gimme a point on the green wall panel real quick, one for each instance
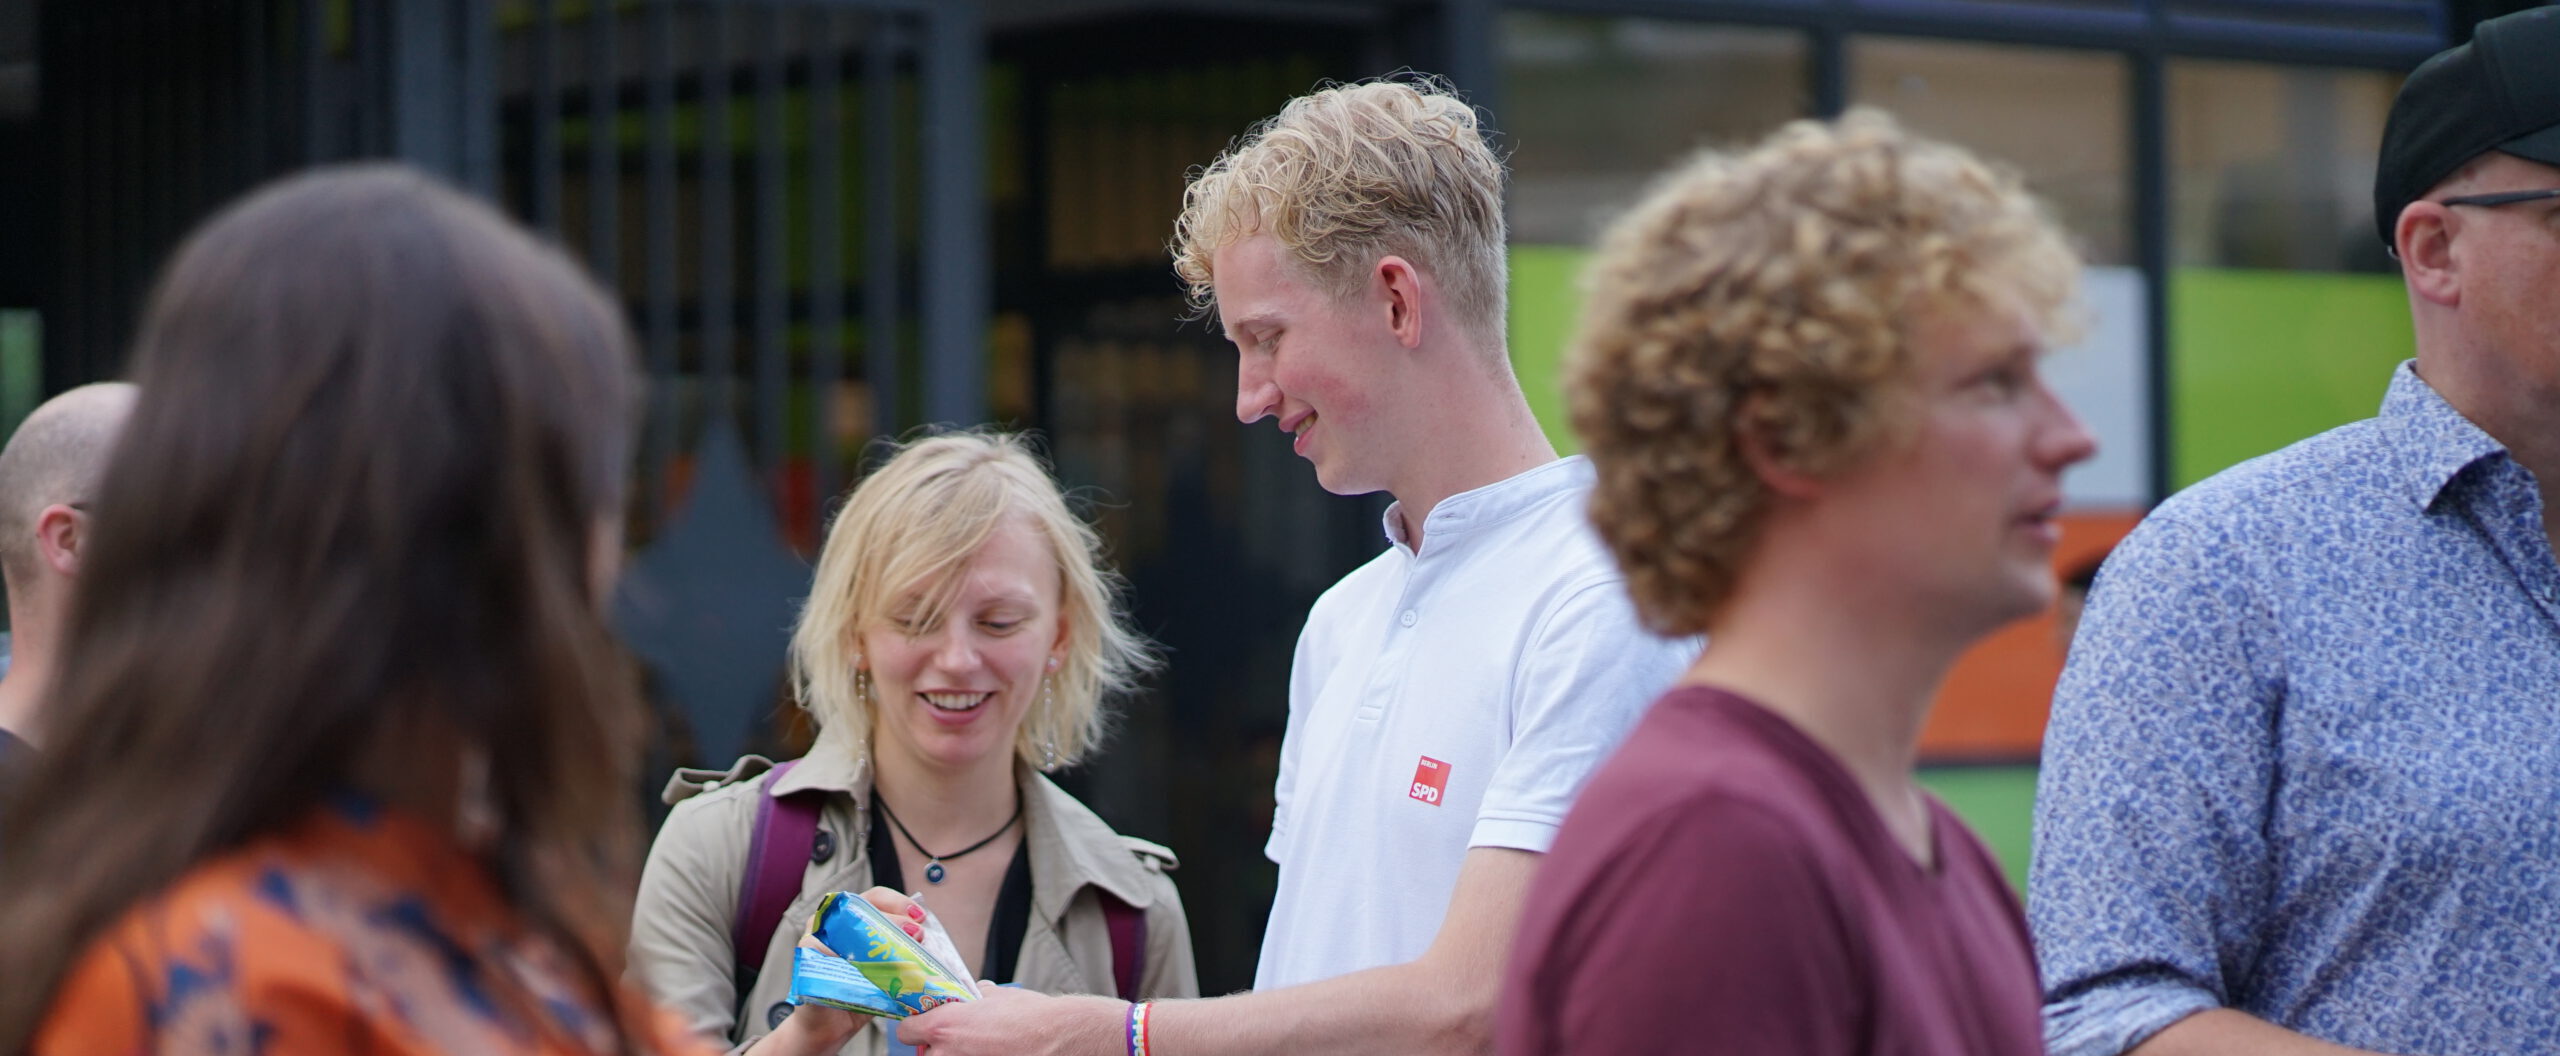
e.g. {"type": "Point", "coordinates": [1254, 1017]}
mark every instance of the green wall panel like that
{"type": "Point", "coordinates": [2260, 359]}
{"type": "Point", "coordinates": [1546, 294]}
{"type": "Point", "coordinates": [1999, 803]}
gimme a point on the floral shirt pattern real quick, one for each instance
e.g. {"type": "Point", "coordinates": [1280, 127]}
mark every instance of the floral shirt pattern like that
{"type": "Point", "coordinates": [2305, 759]}
{"type": "Point", "coordinates": [358, 931]}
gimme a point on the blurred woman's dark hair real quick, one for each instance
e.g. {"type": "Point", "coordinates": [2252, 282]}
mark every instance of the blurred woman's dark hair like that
{"type": "Point", "coordinates": [355, 534]}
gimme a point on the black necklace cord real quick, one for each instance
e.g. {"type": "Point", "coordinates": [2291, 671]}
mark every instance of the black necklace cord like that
{"type": "Point", "coordinates": [929, 855]}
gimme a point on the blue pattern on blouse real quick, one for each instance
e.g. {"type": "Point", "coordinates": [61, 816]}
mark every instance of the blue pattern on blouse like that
{"type": "Point", "coordinates": [2305, 759]}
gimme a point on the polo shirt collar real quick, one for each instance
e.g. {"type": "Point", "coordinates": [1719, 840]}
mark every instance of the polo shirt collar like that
{"type": "Point", "coordinates": [1493, 503]}
{"type": "Point", "coordinates": [2433, 442]}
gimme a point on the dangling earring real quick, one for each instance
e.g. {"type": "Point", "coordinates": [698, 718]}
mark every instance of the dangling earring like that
{"type": "Point", "coordinates": [861, 681]}
{"type": "Point", "coordinates": [1049, 707]}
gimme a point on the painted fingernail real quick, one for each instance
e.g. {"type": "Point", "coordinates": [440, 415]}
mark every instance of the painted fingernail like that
{"type": "Point", "coordinates": [914, 932]}
{"type": "Point", "coordinates": [916, 912]}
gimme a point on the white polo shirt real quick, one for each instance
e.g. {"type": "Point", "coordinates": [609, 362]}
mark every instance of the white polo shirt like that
{"type": "Point", "coordinates": [1444, 700]}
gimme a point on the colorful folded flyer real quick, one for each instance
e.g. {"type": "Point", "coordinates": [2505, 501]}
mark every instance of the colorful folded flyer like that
{"type": "Point", "coordinates": [857, 959]}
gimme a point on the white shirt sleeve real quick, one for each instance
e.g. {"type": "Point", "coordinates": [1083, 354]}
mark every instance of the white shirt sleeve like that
{"type": "Point", "coordinates": [1304, 682]}
{"type": "Point", "coordinates": [1589, 672]}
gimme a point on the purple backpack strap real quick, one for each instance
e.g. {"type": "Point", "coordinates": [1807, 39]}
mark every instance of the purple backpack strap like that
{"type": "Point", "coordinates": [1128, 943]}
{"type": "Point", "coordinates": [777, 852]}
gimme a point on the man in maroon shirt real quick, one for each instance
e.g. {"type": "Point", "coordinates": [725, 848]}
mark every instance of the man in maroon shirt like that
{"type": "Point", "coordinates": [1807, 376]}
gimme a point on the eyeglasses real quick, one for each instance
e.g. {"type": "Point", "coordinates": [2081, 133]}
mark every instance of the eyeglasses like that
{"type": "Point", "coordinates": [2507, 198]}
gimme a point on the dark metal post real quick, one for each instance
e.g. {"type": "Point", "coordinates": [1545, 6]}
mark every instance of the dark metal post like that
{"type": "Point", "coordinates": [604, 148]}
{"type": "Point", "coordinates": [660, 192]}
{"type": "Point", "coordinates": [438, 89]}
{"type": "Point", "coordinates": [69, 114]}
{"type": "Point", "coordinates": [1470, 55]}
{"type": "Point", "coordinates": [880, 223]}
{"type": "Point", "coordinates": [713, 323]}
{"type": "Point", "coordinates": [417, 89]}
{"type": "Point", "coordinates": [169, 89]}
{"type": "Point", "coordinates": [953, 244]}
{"type": "Point", "coordinates": [772, 272]}
{"type": "Point", "coordinates": [140, 201]}
{"type": "Point", "coordinates": [826, 253]}
{"type": "Point", "coordinates": [2151, 248]}
{"type": "Point", "coordinates": [546, 116]}
{"type": "Point", "coordinates": [312, 50]}
{"type": "Point", "coordinates": [472, 36]}
{"type": "Point", "coordinates": [257, 17]}
{"type": "Point", "coordinates": [189, 29]}
{"type": "Point", "coordinates": [1829, 70]}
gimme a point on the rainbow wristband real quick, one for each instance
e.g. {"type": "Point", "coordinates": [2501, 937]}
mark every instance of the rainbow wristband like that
{"type": "Point", "coordinates": [1138, 1029]}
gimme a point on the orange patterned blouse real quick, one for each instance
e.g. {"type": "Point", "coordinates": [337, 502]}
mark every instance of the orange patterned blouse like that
{"type": "Point", "coordinates": [359, 930]}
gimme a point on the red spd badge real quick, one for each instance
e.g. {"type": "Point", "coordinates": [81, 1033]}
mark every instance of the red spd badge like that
{"type": "Point", "coordinates": [1430, 780]}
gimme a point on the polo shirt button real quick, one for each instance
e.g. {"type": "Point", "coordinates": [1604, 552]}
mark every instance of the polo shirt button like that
{"type": "Point", "coordinates": [1407, 619]}
{"type": "Point", "coordinates": [774, 1016]}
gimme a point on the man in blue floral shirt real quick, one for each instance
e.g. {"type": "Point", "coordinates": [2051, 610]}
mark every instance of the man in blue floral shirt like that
{"type": "Point", "coordinates": [2302, 785]}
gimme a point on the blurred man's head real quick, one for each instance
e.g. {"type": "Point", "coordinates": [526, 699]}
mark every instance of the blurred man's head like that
{"type": "Point", "coordinates": [48, 472]}
{"type": "Point", "coordinates": [1362, 224]}
{"type": "Point", "coordinates": [1831, 338]}
{"type": "Point", "coordinates": [2467, 193]}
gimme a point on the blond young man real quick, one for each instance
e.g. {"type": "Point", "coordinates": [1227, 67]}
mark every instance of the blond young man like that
{"type": "Point", "coordinates": [1447, 698]}
{"type": "Point", "coordinates": [1808, 376]}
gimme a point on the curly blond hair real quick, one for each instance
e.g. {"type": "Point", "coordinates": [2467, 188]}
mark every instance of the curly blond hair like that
{"type": "Point", "coordinates": [1771, 293]}
{"type": "Point", "coordinates": [909, 530]}
{"type": "Point", "coordinates": [1353, 173]}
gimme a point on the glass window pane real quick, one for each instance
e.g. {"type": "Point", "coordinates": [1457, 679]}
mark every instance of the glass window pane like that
{"type": "Point", "coordinates": [2272, 167]}
{"type": "Point", "coordinates": [1595, 107]}
{"type": "Point", "coordinates": [2069, 135]}
{"type": "Point", "coordinates": [2286, 314]}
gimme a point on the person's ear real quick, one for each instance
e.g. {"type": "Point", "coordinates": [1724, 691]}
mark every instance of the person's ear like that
{"type": "Point", "coordinates": [62, 535]}
{"type": "Point", "coordinates": [1058, 648]}
{"type": "Point", "coordinates": [1768, 455]}
{"type": "Point", "coordinates": [1400, 287]}
{"type": "Point", "coordinates": [2423, 240]}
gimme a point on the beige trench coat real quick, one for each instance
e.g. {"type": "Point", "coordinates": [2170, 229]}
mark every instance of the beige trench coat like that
{"type": "Point", "coordinates": [680, 946]}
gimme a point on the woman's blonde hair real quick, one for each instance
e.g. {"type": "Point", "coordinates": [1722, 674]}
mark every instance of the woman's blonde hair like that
{"type": "Point", "coordinates": [1346, 175]}
{"type": "Point", "coordinates": [908, 530]}
{"type": "Point", "coordinates": [1770, 293]}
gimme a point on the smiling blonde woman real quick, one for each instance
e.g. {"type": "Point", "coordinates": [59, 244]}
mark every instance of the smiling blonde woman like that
{"type": "Point", "coordinates": [959, 642]}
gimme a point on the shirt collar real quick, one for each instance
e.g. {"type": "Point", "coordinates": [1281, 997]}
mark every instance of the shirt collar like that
{"type": "Point", "coordinates": [1493, 503]}
{"type": "Point", "coordinates": [2433, 442]}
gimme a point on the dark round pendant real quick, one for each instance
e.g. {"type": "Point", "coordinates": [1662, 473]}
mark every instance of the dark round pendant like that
{"type": "Point", "coordinates": [933, 872]}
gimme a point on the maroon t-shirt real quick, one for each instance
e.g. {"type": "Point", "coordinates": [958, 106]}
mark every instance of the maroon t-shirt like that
{"type": "Point", "coordinates": [1722, 886]}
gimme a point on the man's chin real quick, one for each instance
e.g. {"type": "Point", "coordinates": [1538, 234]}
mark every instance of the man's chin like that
{"type": "Point", "coordinates": [1335, 480]}
{"type": "Point", "coordinates": [2035, 592]}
